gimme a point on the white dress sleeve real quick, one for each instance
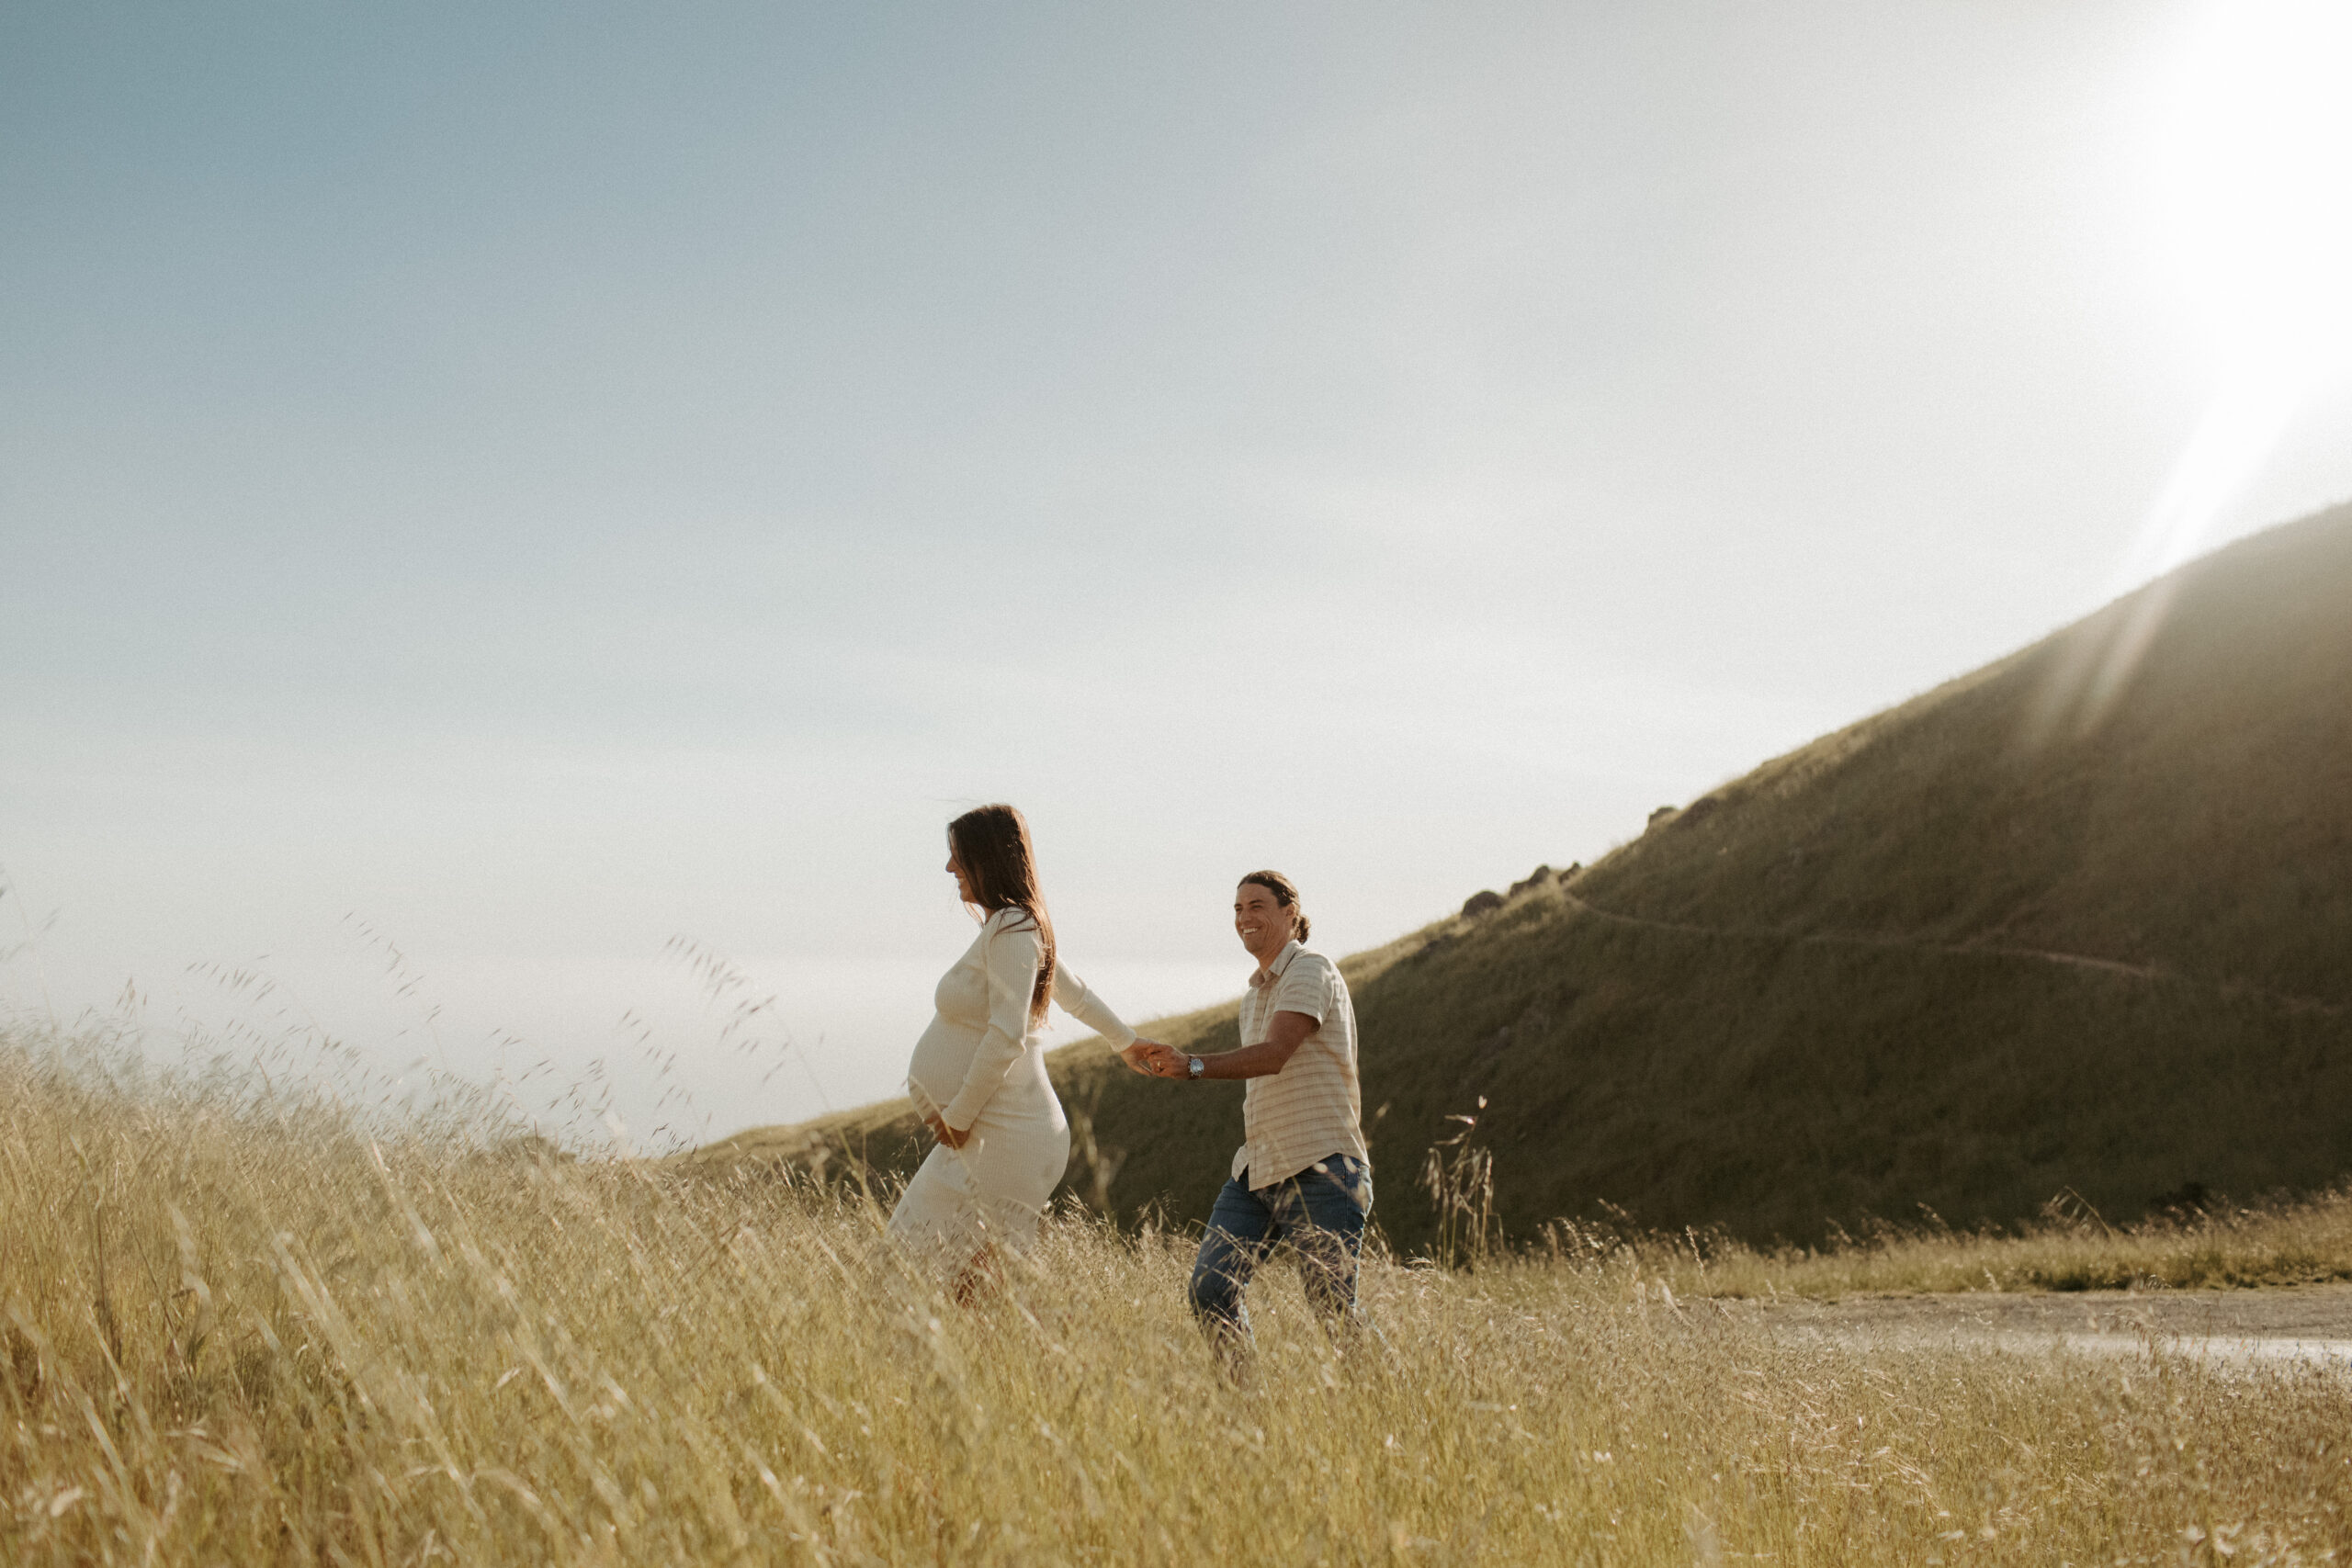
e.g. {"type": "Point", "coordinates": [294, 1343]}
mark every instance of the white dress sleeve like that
{"type": "Point", "coordinates": [1009, 957]}
{"type": "Point", "coordinates": [1071, 996]}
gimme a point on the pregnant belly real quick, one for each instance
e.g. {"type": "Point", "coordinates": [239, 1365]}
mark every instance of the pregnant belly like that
{"type": "Point", "coordinates": [941, 1057]}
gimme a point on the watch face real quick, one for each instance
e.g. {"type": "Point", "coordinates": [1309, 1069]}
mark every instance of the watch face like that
{"type": "Point", "coordinates": [1198, 1067]}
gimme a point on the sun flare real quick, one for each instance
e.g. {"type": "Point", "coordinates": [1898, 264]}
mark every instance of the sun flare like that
{"type": "Point", "coordinates": [2253, 166]}
{"type": "Point", "coordinates": [2254, 160]}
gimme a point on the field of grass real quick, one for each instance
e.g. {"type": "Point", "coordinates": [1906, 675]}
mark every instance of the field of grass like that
{"type": "Point", "coordinates": [249, 1328]}
{"type": "Point", "coordinates": [2292, 1242]}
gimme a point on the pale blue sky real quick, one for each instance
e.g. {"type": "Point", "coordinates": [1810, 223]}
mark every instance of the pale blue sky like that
{"type": "Point", "coordinates": [550, 478]}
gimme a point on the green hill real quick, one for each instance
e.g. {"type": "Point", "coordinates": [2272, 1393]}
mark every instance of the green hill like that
{"type": "Point", "coordinates": [2032, 932]}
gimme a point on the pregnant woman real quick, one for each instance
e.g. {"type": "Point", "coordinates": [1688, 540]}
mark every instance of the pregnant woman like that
{"type": "Point", "coordinates": [979, 1075]}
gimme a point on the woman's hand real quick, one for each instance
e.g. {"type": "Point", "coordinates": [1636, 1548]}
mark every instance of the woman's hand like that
{"type": "Point", "coordinates": [945, 1133]}
{"type": "Point", "coordinates": [1152, 1059]}
{"type": "Point", "coordinates": [1148, 1057]}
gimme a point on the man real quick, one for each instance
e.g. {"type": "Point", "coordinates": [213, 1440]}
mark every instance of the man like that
{"type": "Point", "coordinates": [1302, 1177]}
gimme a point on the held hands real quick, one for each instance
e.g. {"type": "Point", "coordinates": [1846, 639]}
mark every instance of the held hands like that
{"type": "Point", "coordinates": [946, 1134]}
{"type": "Point", "coordinates": [1155, 1060]}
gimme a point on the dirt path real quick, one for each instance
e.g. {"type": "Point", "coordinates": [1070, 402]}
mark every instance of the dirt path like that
{"type": "Point", "coordinates": [2309, 1325]}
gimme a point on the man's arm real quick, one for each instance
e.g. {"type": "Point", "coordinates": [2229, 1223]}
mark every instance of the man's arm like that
{"type": "Point", "coordinates": [1264, 1059]}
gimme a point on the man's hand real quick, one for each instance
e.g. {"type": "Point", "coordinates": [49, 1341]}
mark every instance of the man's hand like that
{"type": "Point", "coordinates": [1153, 1059]}
{"type": "Point", "coordinates": [946, 1134]}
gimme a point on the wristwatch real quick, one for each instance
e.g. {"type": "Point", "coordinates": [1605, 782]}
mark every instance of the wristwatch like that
{"type": "Point", "coordinates": [1197, 1069]}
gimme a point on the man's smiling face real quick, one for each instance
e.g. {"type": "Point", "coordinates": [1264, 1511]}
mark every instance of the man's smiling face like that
{"type": "Point", "coordinates": [1262, 921]}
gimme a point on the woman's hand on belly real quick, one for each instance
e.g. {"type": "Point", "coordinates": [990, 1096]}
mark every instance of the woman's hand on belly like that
{"type": "Point", "coordinates": [945, 1133]}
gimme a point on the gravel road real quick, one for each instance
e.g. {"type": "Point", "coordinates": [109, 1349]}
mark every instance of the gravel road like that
{"type": "Point", "coordinates": [2310, 1324]}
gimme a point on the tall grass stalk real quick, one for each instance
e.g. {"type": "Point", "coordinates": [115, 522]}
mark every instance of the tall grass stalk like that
{"type": "Point", "coordinates": [1458, 1175]}
{"type": "Point", "coordinates": [244, 1327]}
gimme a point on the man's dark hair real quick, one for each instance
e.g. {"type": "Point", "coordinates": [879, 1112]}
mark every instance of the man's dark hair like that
{"type": "Point", "coordinates": [1285, 893]}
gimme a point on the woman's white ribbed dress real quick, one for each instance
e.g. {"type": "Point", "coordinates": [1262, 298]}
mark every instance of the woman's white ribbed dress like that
{"type": "Point", "coordinates": [980, 1066]}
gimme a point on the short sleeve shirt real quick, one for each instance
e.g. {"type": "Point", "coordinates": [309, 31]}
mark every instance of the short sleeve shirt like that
{"type": "Point", "coordinates": [1313, 1108]}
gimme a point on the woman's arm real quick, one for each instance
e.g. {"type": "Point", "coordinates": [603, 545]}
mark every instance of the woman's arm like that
{"type": "Point", "coordinates": [1072, 997]}
{"type": "Point", "coordinates": [1009, 955]}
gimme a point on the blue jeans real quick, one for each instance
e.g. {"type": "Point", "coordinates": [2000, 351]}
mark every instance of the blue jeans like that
{"type": "Point", "coordinates": [1318, 1214]}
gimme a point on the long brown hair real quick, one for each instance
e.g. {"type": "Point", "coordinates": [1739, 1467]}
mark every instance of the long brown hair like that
{"type": "Point", "coordinates": [991, 843]}
{"type": "Point", "coordinates": [1285, 893]}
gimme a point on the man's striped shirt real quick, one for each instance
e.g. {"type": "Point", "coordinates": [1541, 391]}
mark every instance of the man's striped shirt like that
{"type": "Point", "coordinates": [1313, 1108]}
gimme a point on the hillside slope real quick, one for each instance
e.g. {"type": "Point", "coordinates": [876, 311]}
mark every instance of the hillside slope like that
{"type": "Point", "coordinates": [2203, 824]}
{"type": "Point", "coordinates": [1995, 943]}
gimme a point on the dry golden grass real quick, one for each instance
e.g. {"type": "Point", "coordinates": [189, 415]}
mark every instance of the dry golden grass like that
{"type": "Point", "coordinates": [2288, 1241]}
{"type": "Point", "coordinates": [255, 1329]}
